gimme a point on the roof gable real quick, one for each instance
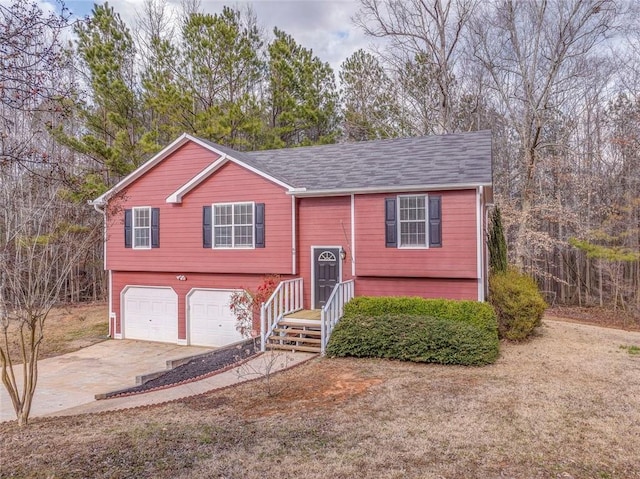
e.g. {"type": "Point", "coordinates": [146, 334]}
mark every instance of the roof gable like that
{"type": "Point", "coordinates": [223, 155]}
{"type": "Point", "coordinates": [459, 160]}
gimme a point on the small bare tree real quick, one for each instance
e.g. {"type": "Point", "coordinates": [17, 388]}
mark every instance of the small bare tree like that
{"type": "Point", "coordinates": [40, 246]}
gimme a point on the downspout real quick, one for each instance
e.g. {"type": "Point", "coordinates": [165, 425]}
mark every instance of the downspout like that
{"type": "Point", "coordinates": [353, 236]}
{"type": "Point", "coordinates": [293, 235]}
{"type": "Point", "coordinates": [480, 245]}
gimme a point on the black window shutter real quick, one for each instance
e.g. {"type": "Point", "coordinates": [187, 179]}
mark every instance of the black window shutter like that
{"type": "Point", "coordinates": [128, 230]}
{"type": "Point", "coordinates": [259, 240]}
{"type": "Point", "coordinates": [155, 227]}
{"type": "Point", "coordinates": [391, 234]}
{"type": "Point", "coordinates": [435, 222]}
{"type": "Point", "coordinates": [206, 227]}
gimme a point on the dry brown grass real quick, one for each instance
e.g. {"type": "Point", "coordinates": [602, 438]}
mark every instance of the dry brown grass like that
{"type": "Point", "coordinates": [565, 405]}
{"type": "Point", "coordinates": [69, 328]}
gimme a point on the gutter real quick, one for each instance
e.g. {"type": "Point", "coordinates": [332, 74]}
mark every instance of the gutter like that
{"type": "Point", "coordinates": [384, 189]}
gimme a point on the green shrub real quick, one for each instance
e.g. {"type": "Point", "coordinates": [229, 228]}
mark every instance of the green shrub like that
{"type": "Point", "coordinates": [518, 304]}
{"type": "Point", "coordinates": [417, 329]}
{"type": "Point", "coordinates": [413, 338]}
{"type": "Point", "coordinates": [480, 315]}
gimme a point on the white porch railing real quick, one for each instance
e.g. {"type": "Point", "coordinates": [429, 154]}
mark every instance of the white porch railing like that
{"type": "Point", "coordinates": [286, 299]}
{"type": "Point", "coordinates": [334, 309]}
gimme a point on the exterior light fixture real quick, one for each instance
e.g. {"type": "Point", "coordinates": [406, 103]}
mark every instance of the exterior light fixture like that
{"type": "Point", "coordinates": [181, 277]}
{"type": "Point", "coordinates": [343, 254]}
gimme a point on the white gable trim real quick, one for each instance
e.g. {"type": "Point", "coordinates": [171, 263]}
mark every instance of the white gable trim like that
{"type": "Point", "coordinates": [176, 196]}
{"type": "Point", "coordinates": [263, 174]}
{"type": "Point", "coordinates": [142, 169]}
{"type": "Point", "coordinates": [160, 156]}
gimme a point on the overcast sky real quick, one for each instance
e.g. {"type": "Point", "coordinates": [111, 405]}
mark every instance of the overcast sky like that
{"type": "Point", "coordinates": [325, 26]}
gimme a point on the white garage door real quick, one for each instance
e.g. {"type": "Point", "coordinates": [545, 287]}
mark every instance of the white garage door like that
{"type": "Point", "coordinates": [211, 322]}
{"type": "Point", "coordinates": [151, 314]}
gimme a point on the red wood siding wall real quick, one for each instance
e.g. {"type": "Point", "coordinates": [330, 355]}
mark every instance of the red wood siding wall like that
{"type": "Point", "coordinates": [193, 280]}
{"type": "Point", "coordinates": [181, 248]}
{"type": "Point", "coordinates": [423, 287]}
{"type": "Point", "coordinates": [457, 258]}
{"type": "Point", "coordinates": [322, 221]}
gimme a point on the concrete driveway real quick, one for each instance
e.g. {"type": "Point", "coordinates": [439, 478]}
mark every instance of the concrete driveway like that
{"type": "Point", "coordinates": [74, 379]}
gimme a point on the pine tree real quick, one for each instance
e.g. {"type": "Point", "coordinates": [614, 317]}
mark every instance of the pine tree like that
{"type": "Point", "coordinates": [303, 96]}
{"type": "Point", "coordinates": [223, 72]}
{"type": "Point", "coordinates": [111, 115]}
{"type": "Point", "coordinates": [368, 99]}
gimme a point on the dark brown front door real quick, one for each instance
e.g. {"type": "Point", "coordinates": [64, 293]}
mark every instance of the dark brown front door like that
{"type": "Point", "coordinates": [326, 264]}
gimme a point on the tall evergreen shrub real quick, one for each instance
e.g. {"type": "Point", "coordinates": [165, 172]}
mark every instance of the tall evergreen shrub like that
{"type": "Point", "coordinates": [497, 243]}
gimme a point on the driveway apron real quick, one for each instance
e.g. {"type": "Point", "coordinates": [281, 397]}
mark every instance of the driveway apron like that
{"type": "Point", "coordinates": [75, 378]}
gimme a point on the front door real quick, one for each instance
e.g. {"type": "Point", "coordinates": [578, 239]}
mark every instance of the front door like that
{"type": "Point", "coordinates": [326, 266]}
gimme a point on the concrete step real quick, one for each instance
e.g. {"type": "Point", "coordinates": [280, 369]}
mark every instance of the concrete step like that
{"type": "Point", "coordinates": [293, 347]}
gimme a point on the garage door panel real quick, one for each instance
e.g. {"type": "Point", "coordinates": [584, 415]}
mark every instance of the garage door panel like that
{"type": "Point", "coordinates": [211, 322]}
{"type": "Point", "coordinates": [151, 314]}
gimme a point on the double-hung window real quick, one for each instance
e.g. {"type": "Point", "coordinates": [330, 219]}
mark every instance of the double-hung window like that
{"type": "Point", "coordinates": [413, 221]}
{"type": "Point", "coordinates": [142, 228]}
{"type": "Point", "coordinates": [233, 225]}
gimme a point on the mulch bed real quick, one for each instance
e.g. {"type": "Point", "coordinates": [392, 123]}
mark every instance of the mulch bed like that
{"type": "Point", "coordinates": [199, 366]}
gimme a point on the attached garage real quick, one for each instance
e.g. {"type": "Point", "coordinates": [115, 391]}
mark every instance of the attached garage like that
{"type": "Point", "coordinates": [210, 320]}
{"type": "Point", "coordinates": [150, 314]}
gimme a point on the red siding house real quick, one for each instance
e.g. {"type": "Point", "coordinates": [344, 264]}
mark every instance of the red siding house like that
{"type": "Point", "coordinates": [199, 221]}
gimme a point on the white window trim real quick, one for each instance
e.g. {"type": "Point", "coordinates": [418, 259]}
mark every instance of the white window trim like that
{"type": "Point", "coordinates": [233, 237]}
{"type": "Point", "coordinates": [133, 227]}
{"type": "Point", "coordinates": [426, 222]}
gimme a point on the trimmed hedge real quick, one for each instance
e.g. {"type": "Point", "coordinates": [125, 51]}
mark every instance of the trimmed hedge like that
{"type": "Point", "coordinates": [480, 315]}
{"type": "Point", "coordinates": [416, 329]}
{"type": "Point", "coordinates": [517, 302]}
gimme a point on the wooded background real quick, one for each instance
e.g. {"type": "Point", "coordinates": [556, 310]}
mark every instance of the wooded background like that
{"type": "Point", "coordinates": [556, 81]}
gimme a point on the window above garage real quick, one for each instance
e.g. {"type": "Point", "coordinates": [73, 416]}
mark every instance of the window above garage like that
{"type": "Point", "coordinates": [233, 225]}
{"type": "Point", "coordinates": [142, 228]}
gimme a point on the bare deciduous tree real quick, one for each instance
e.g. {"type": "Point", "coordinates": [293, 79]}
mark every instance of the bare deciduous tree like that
{"type": "Point", "coordinates": [538, 56]}
{"type": "Point", "coordinates": [430, 33]}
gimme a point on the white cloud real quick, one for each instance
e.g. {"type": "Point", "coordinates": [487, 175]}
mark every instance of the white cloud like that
{"type": "Point", "coordinates": [324, 26]}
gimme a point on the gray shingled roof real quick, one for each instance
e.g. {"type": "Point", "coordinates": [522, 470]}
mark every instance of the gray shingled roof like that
{"type": "Point", "coordinates": [454, 159]}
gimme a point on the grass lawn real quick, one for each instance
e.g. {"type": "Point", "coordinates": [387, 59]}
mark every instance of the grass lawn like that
{"type": "Point", "coordinates": [69, 328]}
{"type": "Point", "coordinates": [564, 405]}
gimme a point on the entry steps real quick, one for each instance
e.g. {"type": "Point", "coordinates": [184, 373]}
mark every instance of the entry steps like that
{"type": "Point", "coordinates": [299, 331]}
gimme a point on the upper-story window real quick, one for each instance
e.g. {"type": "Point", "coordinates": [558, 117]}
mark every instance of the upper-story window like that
{"type": "Point", "coordinates": [233, 225]}
{"type": "Point", "coordinates": [142, 228]}
{"type": "Point", "coordinates": [413, 221]}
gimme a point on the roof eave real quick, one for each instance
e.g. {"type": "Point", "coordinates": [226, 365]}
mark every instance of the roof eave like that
{"type": "Point", "coordinates": [385, 189]}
